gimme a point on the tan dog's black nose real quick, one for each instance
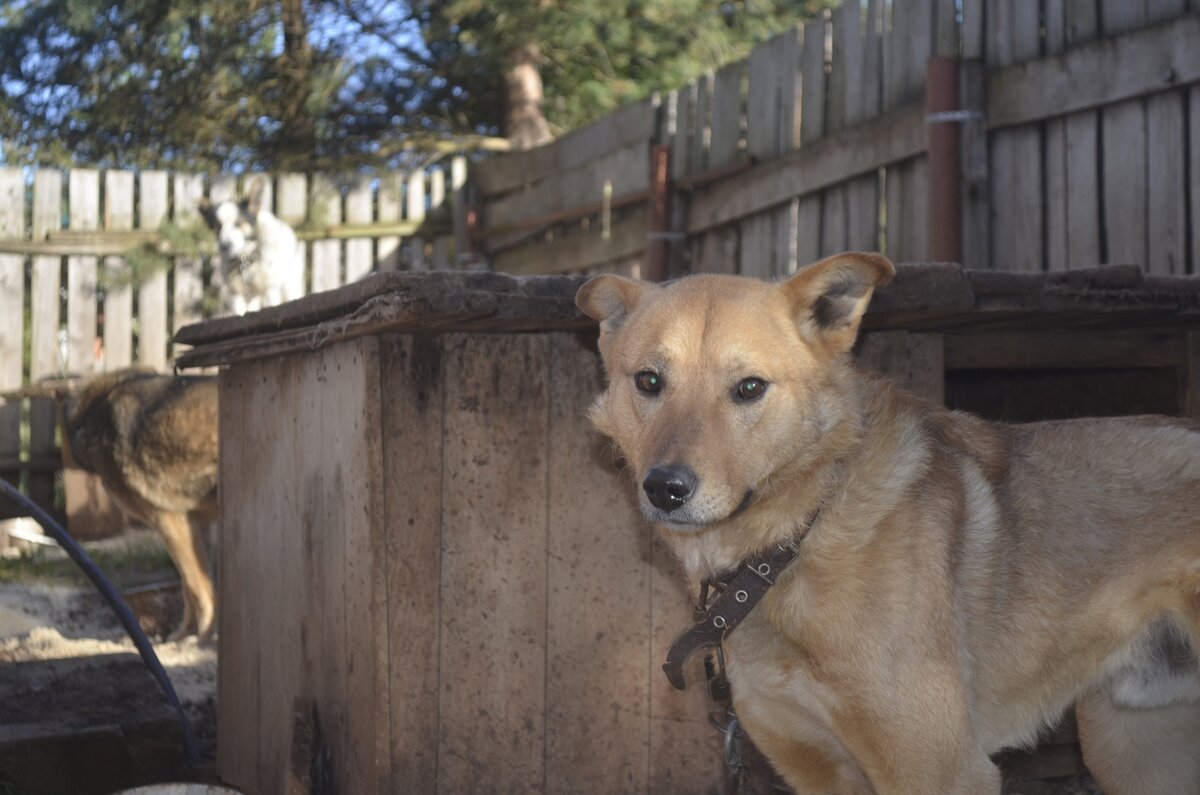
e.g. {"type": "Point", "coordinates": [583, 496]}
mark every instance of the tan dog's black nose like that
{"type": "Point", "coordinates": [669, 487]}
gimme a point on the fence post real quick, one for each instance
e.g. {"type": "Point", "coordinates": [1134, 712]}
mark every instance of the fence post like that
{"type": "Point", "coordinates": [941, 129]}
{"type": "Point", "coordinates": [973, 144]}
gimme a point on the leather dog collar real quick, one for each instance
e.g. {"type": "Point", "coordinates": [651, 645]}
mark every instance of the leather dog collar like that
{"type": "Point", "coordinates": [740, 594]}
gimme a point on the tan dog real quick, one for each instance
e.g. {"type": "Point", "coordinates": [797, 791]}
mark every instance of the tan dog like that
{"type": "Point", "coordinates": [152, 439]}
{"type": "Point", "coordinates": [964, 582]}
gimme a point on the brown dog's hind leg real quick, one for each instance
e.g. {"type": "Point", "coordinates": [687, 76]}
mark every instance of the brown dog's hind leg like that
{"type": "Point", "coordinates": [187, 552]}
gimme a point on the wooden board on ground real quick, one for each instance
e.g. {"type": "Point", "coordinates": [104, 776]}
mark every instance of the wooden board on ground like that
{"type": "Point", "coordinates": [12, 325]}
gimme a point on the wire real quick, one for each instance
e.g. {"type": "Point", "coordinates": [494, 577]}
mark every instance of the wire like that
{"type": "Point", "coordinates": [124, 614]}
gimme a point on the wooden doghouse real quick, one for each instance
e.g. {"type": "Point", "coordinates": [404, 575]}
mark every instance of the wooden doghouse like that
{"type": "Point", "coordinates": [433, 577]}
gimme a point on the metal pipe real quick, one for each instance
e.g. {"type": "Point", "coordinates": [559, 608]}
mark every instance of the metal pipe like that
{"type": "Point", "coordinates": [659, 213]}
{"type": "Point", "coordinates": [942, 135]}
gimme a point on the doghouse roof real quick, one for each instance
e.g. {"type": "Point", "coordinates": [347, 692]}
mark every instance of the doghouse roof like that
{"type": "Point", "coordinates": [923, 296]}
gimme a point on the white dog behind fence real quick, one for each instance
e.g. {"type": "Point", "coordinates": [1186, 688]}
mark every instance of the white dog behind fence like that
{"type": "Point", "coordinates": [259, 264]}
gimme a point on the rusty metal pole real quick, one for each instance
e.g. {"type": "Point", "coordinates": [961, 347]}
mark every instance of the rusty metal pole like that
{"type": "Point", "coordinates": [658, 208]}
{"type": "Point", "coordinates": [943, 117]}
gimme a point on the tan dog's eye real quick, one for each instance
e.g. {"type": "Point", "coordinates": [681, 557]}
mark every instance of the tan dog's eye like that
{"type": "Point", "coordinates": [648, 382]}
{"type": "Point", "coordinates": [750, 389]}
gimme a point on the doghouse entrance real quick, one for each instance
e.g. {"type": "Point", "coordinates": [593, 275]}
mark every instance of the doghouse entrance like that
{"type": "Point", "coordinates": [1033, 395]}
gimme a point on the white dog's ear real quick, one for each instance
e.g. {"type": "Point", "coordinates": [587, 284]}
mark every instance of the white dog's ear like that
{"type": "Point", "coordinates": [610, 299]}
{"type": "Point", "coordinates": [254, 195]}
{"type": "Point", "coordinates": [829, 297]}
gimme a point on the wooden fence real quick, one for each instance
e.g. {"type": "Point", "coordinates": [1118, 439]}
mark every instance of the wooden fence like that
{"type": "Point", "coordinates": [61, 232]}
{"type": "Point", "coordinates": [1074, 140]}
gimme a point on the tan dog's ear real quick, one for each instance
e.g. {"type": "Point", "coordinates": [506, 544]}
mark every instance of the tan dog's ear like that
{"type": "Point", "coordinates": [610, 299]}
{"type": "Point", "coordinates": [829, 297]}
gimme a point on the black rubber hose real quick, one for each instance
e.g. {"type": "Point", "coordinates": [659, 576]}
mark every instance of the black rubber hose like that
{"type": "Point", "coordinates": [124, 614]}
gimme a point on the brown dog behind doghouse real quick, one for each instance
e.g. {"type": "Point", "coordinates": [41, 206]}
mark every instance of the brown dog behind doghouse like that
{"type": "Point", "coordinates": [152, 439]}
{"type": "Point", "coordinates": [963, 583]}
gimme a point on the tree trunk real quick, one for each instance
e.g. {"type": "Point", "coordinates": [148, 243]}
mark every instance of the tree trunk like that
{"type": "Point", "coordinates": [524, 125]}
{"type": "Point", "coordinates": [297, 138]}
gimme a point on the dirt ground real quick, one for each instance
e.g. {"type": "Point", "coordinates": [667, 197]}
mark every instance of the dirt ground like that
{"type": "Point", "coordinates": [69, 665]}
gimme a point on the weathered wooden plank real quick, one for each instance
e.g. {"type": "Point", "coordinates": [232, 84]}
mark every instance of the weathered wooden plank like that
{"type": "Point", "coordinates": [813, 88]}
{"type": "Point", "coordinates": [685, 752]}
{"type": "Point", "coordinates": [391, 189]}
{"type": "Point", "coordinates": [798, 224]}
{"type": "Point", "coordinates": [326, 254]}
{"type": "Point", "coordinates": [598, 618]}
{"type": "Point", "coordinates": [725, 142]}
{"type": "Point", "coordinates": [1124, 182]}
{"type": "Point", "coordinates": [412, 484]}
{"type": "Point", "coordinates": [834, 232]}
{"type": "Point", "coordinates": [1025, 30]}
{"type": "Point", "coordinates": [494, 564]}
{"type": "Point", "coordinates": [1083, 21]}
{"type": "Point", "coordinates": [287, 523]}
{"type": "Point", "coordinates": [895, 24]}
{"type": "Point", "coordinates": [1098, 74]}
{"type": "Point", "coordinates": [1166, 171]}
{"type": "Point", "coordinates": [83, 214]}
{"type": "Point", "coordinates": [576, 252]}
{"type": "Point", "coordinates": [859, 43]}
{"type": "Point", "coordinates": [152, 293]}
{"type": "Point", "coordinates": [359, 257]}
{"type": "Point", "coordinates": [1161, 10]}
{"type": "Point", "coordinates": [118, 301]}
{"type": "Point", "coordinates": [764, 112]}
{"type": "Point", "coordinates": [189, 285]}
{"type": "Point", "coordinates": [1055, 151]}
{"type": "Point", "coordinates": [895, 228]}
{"type": "Point", "coordinates": [632, 124]}
{"type": "Point", "coordinates": [350, 380]}
{"type": "Point", "coordinates": [862, 214]}
{"type": "Point", "coordinates": [291, 206]}
{"type": "Point", "coordinates": [971, 29]}
{"type": "Point", "coordinates": [1082, 190]}
{"type": "Point", "coordinates": [717, 251]}
{"type": "Point", "coordinates": [1194, 175]}
{"type": "Point", "coordinates": [916, 208]}
{"type": "Point", "coordinates": [945, 31]}
{"type": "Point", "coordinates": [1117, 16]}
{"type": "Point", "coordinates": [12, 323]}
{"type": "Point", "coordinates": [702, 133]}
{"type": "Point", "coordinates": [858, 150]}
{"type": "Point", "coordinates": [915, 361]}
{"type": "Point", "coordinates": [846, 89]}
{"type": "Point", "coordinates": [222, 187]}
{"type": "Point", "coordinates": [1054, 31]}
{"type": "Point", "coordinates": [1057, 195]}
{"type": "Point", "coordinates": [414, 194]}
{"type": "Point", "coordinates": [919, 44]}
{"type": "Point", "coordinates": [626, 169]}
{"type": "Point", "coordinates": [45, 359]}
{"type": "Point", "coordinates": [437, 203]}
{"type": "Point", "coordinates": [239, 617]}
{"type": "Point", "coordinates": [1016, 212]}
{"type": "Point", "coordinates": [458, 210]}
{"type": "Point", "coordinates": [872, 54]}
{"type": "Point", "coordinates": [1016, 159]}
